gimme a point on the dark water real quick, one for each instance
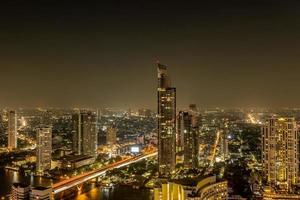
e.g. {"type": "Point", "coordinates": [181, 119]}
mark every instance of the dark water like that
{"type": "Point", "coordinates": [8, 177]}
{"type": "Point", "coordinates": [116, 193]}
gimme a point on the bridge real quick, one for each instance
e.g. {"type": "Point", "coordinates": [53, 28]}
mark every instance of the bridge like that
{"type": "Point", "coordinates": [80, 179]}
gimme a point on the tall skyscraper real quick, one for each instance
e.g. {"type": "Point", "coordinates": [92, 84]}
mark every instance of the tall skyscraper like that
{"type": "Point", "coordinates": [12, 130]}
{"type": "Point", "coordinates": [44, 149]}
{"type": "Point", "coordinates": [166, 126]}
{"type": "Point", "coordinates": [111, 135]}
{"type": "Point", "coordinates": [85, 133]}
{"type": "Point", "coordinates": [224, 145]}
{"type": "Point", "coordinates": [279, 153]}
{"type": "Point", "coordinates": [187, 141]}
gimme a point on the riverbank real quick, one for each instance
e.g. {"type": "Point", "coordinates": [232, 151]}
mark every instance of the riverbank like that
{"type": "Point", "coordinates": [117, 192]}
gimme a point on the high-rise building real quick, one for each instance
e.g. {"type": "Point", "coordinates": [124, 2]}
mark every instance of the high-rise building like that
{"type": "Point", "coordinates": [187, 140]}
{"type": "Point", "coordinates": [111, 136]}
{"type": "Point", "coordinates": [166, 126]}
{"type": "Point", "coordinates": [280, 153]}
{"type": "Point", "coordinates": [12, 130]}
{"type": "Point", "coordinates": [44, 149]}
{"type": "Point", "coordinates": [85, 133]}
{"type": "Point", "coordinates": [224, 145]}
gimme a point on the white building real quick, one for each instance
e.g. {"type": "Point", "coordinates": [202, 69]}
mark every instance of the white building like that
{"type": "Point", "coordinates": [41, 193]}
{"type": "Point", "coordinates": [44, 149]}
{"type": "Point", "coordinates": [20, 191]}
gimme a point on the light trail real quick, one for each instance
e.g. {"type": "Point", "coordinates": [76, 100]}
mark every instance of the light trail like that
{"type": "Point", "coordinates": [215, 148]}
{"type": "Point", "coordinates": [67, 184]}
{"type": "Point", "coordinates": [251, 118]}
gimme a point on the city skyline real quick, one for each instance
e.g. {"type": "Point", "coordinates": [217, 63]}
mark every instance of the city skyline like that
{"type": "Point", "coordinates": [150, 100]}
{"type": "Point", "coordinates": [187, 150]}
{"type": "Point", "coordinates": [229, 54]}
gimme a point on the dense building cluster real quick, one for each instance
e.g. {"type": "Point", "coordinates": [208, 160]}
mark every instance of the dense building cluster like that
{"type": "Point", "coordinates": [183, 139]}
{"type": "Point", "coordinates": [202, 154]}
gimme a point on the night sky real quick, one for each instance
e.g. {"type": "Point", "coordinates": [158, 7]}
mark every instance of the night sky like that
{"type": "Point", "coordinates": [79, 54]}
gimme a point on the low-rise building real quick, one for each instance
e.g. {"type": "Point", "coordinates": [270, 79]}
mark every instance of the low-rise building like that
{"type": "Point", "coordinates": [210, 189]}
{"type": "Point", "coordinates": [76, 161]}
{"type": "Point", "coordinates": [207, 189]}
{"type": "Point", "coordinates": [270, 194]}
{"type": "Point", "coordinates": [41, 193]}
{"type": "Point", "coordinates": [169, 191]}
{"type": "Point", "coordinates": [20, 191]}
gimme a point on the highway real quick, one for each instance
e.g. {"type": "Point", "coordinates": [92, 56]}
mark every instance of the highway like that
{"type": "Point", "coordinates": [213, 155]}
{"type": "Point", "coordinates": [253, 120]}
{"type": "Point", "coordinates": [79, 179]}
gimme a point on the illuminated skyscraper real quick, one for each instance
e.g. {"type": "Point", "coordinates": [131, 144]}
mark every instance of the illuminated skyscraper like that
{"type": "Point", "coordinates": [12, 130]}
{"type": "Point", "coordinates": [166, 110]}
{"type": "Point", "coordinates": [279, 153]}
{"type": "Point", "coordinates": [224, 145]}
{"type": "Point", "coordinates": [111, 136]}
{"type": "Point", "coordinates": [85, 133]}
{"type": "Point", "coordinates": [187, 141]}
{"type": "Point", "coordinates": [43, 149]}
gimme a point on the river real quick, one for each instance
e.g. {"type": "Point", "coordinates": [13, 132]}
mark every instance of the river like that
{"type": "Point", "coordinates": [8, 177]}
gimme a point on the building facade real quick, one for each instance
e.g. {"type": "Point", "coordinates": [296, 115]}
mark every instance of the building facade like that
{"type": "Point", "coordinates": [71, 162]}
{"type": "Point", "coordinates": [280, 153]}
{"type": "Point", "coordinates": [85, 133]}
{"type": "Point", "coordinates": [43, 149]}
{"type": "Point", "coordinates": [224, 145]}
{"type": "Point", "coordinates": [41, 193]}
{"type": "Point", "coordinates": [20, 191]}
{"type": "Point", "coordinates": [211, 189]}
{"type": "Point", "coordinates": [169, 191]}
{"type": "Point", "coordinates": [111, 136]}
{"type": "Point", "coordinates": [166, 126]}
{"type": "Point", "coordinates": [270, 194]}
{"type": "Point", "coordinates": [207, 189]}
{"type": "Point", "coordinates": [187, 140]}
{"type": "Point", "coordinates": [12, 130]}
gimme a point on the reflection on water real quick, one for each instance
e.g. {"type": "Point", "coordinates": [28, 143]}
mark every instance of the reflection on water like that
{"type": "Point", "coordinates": [92, 194]}
{"type": "Point", "coordinates": [115, 193]}
{"type": "Point", "coordinates": [15, 177]}
{"type": "Point", "coordinates": [8, 177]}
